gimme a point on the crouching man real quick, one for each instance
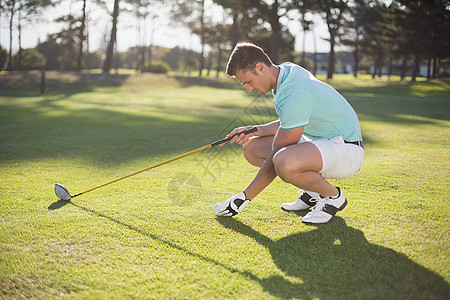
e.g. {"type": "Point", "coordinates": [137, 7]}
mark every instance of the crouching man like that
{"type": "Point", "coordinates": [317, 136]}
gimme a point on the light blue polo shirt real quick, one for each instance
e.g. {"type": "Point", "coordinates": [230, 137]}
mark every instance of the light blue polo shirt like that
{"type": "Point", "coordinates": [303, 100]}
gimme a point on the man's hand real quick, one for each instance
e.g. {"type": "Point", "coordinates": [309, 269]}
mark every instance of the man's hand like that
{"type": "Point", "coordinates": [239, 136]}
{"type": "Point", "coordinates": [232, 206]}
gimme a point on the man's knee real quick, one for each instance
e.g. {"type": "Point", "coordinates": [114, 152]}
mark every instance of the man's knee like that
{"type": "Point", "coordinates": [291, 162]}
{"type": "Point", "coordinates": [250, 154]}
{"type": "Point", "coordinates": [257, 150]}
{"type": "Point", "coordinates": [284, 167]}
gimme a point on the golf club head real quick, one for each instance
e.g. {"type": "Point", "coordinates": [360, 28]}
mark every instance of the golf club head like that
{"type": "Point", "coordinates": [62, 192]}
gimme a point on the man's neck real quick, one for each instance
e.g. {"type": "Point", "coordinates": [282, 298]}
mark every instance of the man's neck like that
{"type": "Point", "coordinates": [275, 71]}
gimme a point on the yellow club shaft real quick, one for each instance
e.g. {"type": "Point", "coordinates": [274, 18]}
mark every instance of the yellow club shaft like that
{"type": "Point", "coordinates": [148, 168]}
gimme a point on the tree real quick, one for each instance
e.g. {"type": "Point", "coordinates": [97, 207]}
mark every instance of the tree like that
{"type": "Point", "coordinates": [27, 8]}
{"type": "Point", "coordinates": [181, 59]}
{"type": "Point", "coordinates": [251, 17]}
{"type": "Point", "coordinates": [425, 26]}
{"type": "Point", "coordinates": [63, 49]}
{"type": "Point", "coordinates": [361, 31]}
{"type": "Point", "coordinates": [68, 39]}
{"type": "Point", "coordinates": [52, 50]}
{"type": "Point", "coordinates": [202, 36]}
{"type": "Point", "coordinates": [10, 6]}
{"type": "Point", "coordinates": [110, 50]}
{"type": "Point", "coordinates": [241, 12]}
{"type": "Point", "coordinates": [333, 12]}
{"type": "Point", "coordinates": [192, 15]}
{"type": "Point", "coordinates": [273, 11]}
{"type": "Point", "coordinates": [304, 7]}
{"type": "Point", "coordinates": [386, 37]}
{"type": "Point", "coordinates": [93, 60]}
{"type": "Point", "coordinates": [142, 10]}
{"type": "Point", "coordinates": [81, 37]}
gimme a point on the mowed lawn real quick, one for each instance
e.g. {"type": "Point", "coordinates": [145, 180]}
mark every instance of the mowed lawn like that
{"type": "Point", "coordinates": [154, 235]}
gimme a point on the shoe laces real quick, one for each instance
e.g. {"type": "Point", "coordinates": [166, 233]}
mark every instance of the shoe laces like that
{"type": "Point", "coordinates": [320, 203]}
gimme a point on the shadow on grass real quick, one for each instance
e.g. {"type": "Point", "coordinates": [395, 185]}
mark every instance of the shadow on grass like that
{"type": "Point", "coordinates": [425, 89]}
{"type": "Point", "coordinates": [101, 136]}
{"type": "Point", "coordinates": [400, 110]}
{"type": "Point", "coordinates": [58, 204]}
{"type": "Point", "coordinates": [336, 261]}
{"type": "Point", "coordinates": [28, 84]}
{"type": "Point", "coordinates": [395, 102]}
{"type": "Point", "coordinates": [161, 240]}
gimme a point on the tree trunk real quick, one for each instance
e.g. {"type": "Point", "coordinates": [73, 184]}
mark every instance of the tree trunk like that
{"type": "Point", "coordinates": [138, 43]}
{"type": "Point", "coordinates": [356, 59]}
{"type": "Point", "coordinates": [219, 51]}
{"type": "Point", "coordinates": [415, 68]}
{"type": "Point", "coordinates": [380, 64]}
{"type": "Point", "coordinates": [403, 72]}
{"type": "Point", "coordinates": [331, 55]}
{"type": "Point", "coordinates": [429, 68]}
{"type": "Point", "coordinates": [275, 44]}
{"type": "Point", "coordinates": [219, 59]}
{"type": "Point", "coordinates": [110, 51]}
{"type": "Point", "coordinates": [389, 68]}
{"type": "Point", "coordinates": [315, 53]}
{"type": "Point", "coordinates": [13, 4]}
{"type": "Point", "coordinates": [302, 61]}
{"type": "Point", "coordinates": [19, 28]}
{"type": "Point", "coordinates": [209, 64]}
{"type": "Point", "coordinates": [80, 46]}
{"type": "Point", "coordinates": [202, 24]}
{"type": "Point", "coordinates": [434, 67]}
{"type": "Point", "coordinates": [234, 30]}
{"type": "Point", "coordinates": [274, 21]}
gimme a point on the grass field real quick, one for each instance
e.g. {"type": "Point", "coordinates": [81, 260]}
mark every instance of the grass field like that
{"type": "Point", "coordinates": [155, 236]}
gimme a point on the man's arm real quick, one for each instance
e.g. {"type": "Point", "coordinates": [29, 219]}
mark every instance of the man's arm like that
{"type": "Point", "coordinates": [267, 173]}
{"type": "Point", "coordinates": [268, 129]}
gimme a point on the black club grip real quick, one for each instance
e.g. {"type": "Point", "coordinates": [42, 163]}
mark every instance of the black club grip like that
{"type": "Point", "coordinates": [253, 129]}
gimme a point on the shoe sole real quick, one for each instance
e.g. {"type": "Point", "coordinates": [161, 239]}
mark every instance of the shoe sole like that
{"type": "Point", "coordinates": [339, 209]}
{"type": "Point", "coordinates": [295, 210]}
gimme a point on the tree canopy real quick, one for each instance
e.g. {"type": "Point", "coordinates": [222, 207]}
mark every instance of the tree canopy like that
{"type": "Point", "coordinates": [375, 32]}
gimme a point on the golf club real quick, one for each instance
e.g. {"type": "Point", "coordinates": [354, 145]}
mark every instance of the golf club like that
{"type": "Point", "coordinates": [64, 194]}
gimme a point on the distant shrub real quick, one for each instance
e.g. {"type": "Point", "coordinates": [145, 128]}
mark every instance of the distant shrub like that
{"type": "Point", "coordinates": [188, 64]}
{"type": "Point", "coordinates": [31, 59]}
{"type": "Point", "coordinates": [3, 57]}
{"type": "Point", "coordinates": [93, 60]}
{"type": "Point", "coordinates": [157, 66]}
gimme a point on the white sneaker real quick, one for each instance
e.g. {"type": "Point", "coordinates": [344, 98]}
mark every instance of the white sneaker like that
{"type": "Point", "coordinates": [304, 202]}
{"type": "Point", "coordinates": [325, 209]}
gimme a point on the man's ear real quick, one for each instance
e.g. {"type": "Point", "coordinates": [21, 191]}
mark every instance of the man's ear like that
{"type": "Point", "coordinates": [260, 67]}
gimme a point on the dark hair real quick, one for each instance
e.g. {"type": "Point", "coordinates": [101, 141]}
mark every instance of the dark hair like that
{"type": "Point", "coordinates": [246, 56]}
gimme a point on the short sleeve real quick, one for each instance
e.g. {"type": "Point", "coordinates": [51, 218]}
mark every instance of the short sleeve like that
{"type": "Point", "coordinates": [295, 109]}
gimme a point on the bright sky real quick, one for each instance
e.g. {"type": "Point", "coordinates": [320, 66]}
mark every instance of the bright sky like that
{"type": "Point", "coordinates": [164, 32]}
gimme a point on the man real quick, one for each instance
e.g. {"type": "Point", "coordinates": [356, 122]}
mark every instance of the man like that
{"type": "Point", "coordinates": [317, 136]}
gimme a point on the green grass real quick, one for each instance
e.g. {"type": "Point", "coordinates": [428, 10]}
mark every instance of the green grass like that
{"type": "Point", "coordinates": [154, 235]}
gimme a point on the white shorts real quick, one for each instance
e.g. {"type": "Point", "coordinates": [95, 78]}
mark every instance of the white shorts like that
{"type": "Point", "coordinates": [340, 160]}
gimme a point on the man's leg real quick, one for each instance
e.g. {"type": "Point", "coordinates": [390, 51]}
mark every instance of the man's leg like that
{"type": "Point", "coordinates": [300, 165]}
{"type": "Point", "coordinates": [256, 150]}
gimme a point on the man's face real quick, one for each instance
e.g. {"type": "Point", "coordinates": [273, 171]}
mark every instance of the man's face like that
{"type": "Point", "coordinates": [255, 81]}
